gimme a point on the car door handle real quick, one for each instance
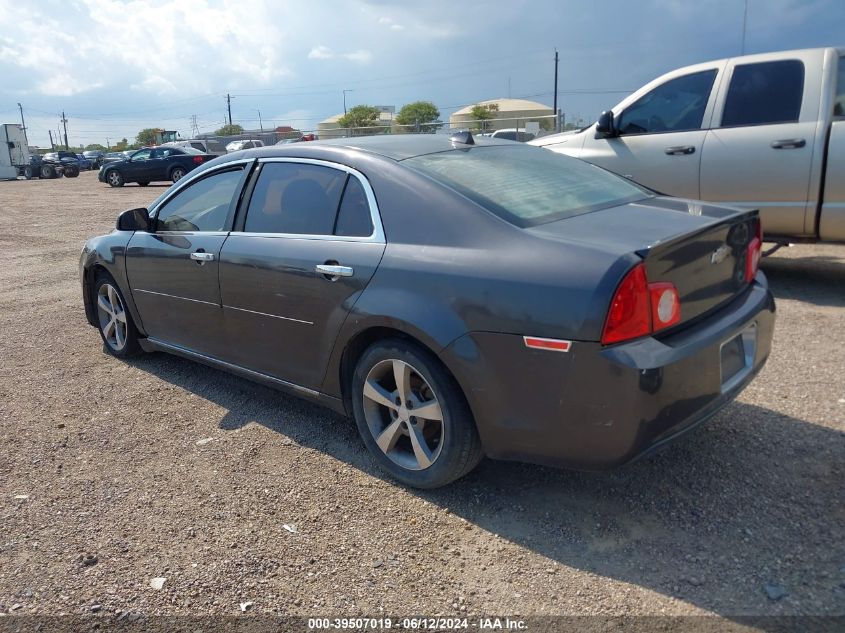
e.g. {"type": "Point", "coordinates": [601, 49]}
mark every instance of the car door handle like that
{"type": "Point", "coordinates": [680, 150]}
{"type": "Point", "coordinates": [202, 257]}
{"type": "Point", "coordinates": [789, 143]}
{"type": "Point", "coordinates": [334, 270]}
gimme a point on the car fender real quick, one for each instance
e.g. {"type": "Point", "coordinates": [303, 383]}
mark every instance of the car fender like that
{"type": "Point", "coordinates": [433, 324]}
{"type": "Point", "coordinates": [109, 253]}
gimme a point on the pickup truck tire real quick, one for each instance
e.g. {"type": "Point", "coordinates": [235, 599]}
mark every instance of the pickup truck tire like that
{"type": "Point", "coordinates": [48, 171]}
{"type": "Point", "coordinates": [177, 173]}
{"type": "Point", "coordinates": [27, 172]}
{"type": "Point", "coordinates": [114, 178]}
{"type": "Point", "coordinates": [71, 171]}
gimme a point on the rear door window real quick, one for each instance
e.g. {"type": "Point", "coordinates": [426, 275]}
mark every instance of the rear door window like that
{"type": "Point", "coordinates": [764, 93]}
{"type": "Point", "coordinates": [675, 106]}
{"type": "Point", "coordinates": [353, 216]}
{"type": "Point", "coordinates": [295, 198]}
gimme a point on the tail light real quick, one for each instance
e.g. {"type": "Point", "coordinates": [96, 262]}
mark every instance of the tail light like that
{"type": "Point", "coordinates": [753, 254]}
{"type": "Point", "coordinates": [640, 308]}
{"type": "Point", "coordinates": [197, 159]}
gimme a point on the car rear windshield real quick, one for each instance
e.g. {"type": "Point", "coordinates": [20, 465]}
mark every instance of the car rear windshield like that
{"type": "Point", "coordinates": [527, 185]}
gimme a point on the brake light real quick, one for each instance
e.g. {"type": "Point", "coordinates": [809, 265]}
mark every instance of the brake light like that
{"type": "Point", "coordinates": [197, 159]}
{"type": "Point", "coordinates": [640, 308]}
{"type": "Point", "coordinates": [753, 254]}
{"type": "Point", "coordinates": [630, 314]}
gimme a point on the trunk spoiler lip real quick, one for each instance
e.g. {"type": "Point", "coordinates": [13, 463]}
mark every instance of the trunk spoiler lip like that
{"type": "Point", "coordinates": [667, 243]}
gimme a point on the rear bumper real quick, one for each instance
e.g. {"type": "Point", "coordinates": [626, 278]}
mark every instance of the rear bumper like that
{"type": "Point", "coordinates": [598, 407]}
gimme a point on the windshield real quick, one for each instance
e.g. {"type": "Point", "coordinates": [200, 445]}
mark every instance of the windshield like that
{"type": "Point", "coordinates": [527, 185]}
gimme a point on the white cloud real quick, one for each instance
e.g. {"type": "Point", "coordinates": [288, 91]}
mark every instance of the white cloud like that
{"type": "Point", "coordinates": [321, 52]}
{"type": "Point", "coordinates": [360, 56]}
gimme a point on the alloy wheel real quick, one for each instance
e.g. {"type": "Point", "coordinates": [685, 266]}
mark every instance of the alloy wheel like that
{"type": "Point", "coordinates": [112, 316]}
{"type": "Point", "coordinates": [403, 414]}
{"type": "Point", "coordinates": [114, 178]}
{"type": "Point", "coordinates": [178, 174]}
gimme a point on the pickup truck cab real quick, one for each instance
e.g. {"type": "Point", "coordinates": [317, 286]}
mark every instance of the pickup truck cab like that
{"type": "Point", "coordinates": [759, 131]}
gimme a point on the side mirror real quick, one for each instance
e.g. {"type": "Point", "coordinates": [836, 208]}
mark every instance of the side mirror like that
{"type": "Point", "coordinates": [134, 220]}
{"type": "Point", "coordinates": [606, 126]}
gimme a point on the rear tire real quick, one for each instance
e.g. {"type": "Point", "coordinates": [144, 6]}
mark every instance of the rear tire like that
{"type": "Point", "coordinates": [177, 173]}
{"type": "Point", "coordinates": [27, 172]}
{"type": "Point", "coordinates": [120, 337]}
{"type": "Point", "coordinates": [423, 450]}
{"type": "Point", "coordinates": [71, 171]}
{"type": "Point", "coordinates": [114, 178]}
{"type": "Point", "coordinates": [48, 171]}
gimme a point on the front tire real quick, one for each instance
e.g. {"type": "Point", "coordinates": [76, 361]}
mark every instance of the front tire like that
{"type": "Point", "coordinates": [48, 171]}
{"type": "Point", "coordinates": [114, 178]}
{"type": "Point", "coordinates": [177, 174]}
{"type": "Point", "coordinates": [120, 337]}
{"type": "Point", "coordinates": [27, 172]}
{"type": "Point", "coordinates": [412, 415]}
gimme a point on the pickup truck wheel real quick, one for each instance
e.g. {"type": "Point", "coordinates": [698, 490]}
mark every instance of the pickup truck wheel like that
{"type": "Point", "coordinates": [114, 178]}
{"type": "Point", "coordinates": [177, 174]}
{"type": "Point", "coordinates": [143, 184]}
{"type": "Point", "coordinates": [27, 172]}
{"type": "Point", "coordinates": [48, 171]}
{"type": "Point", "coordinates": [71, 171]}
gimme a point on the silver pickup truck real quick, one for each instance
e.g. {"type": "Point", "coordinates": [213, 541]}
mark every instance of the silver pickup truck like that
{"type": "Point", "coordinates": [759, 131]}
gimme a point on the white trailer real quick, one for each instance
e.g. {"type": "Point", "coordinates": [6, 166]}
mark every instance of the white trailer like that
{"type": "Point", "coordinates": [14, 153]}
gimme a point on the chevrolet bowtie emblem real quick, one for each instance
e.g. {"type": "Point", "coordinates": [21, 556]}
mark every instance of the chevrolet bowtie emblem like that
{"type": "Point", "coordinates": [720, 254]}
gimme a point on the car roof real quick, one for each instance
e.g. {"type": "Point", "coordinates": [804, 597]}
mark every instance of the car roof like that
{"type": "Point", "coordinates": [395, 146]}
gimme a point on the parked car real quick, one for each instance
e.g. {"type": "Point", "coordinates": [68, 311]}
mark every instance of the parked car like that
{"type": "Point", "coordinates": [456, 297]}
{"type": "Point", "coordinates": [206, 146]}
{"type": "Point", "coordinates": [760, 131]}
{"type": "Point", "coordinates": [236, 146]}
{"type": "Point", "coordinates": [96, 157]}
{"type": "Point", "coordinates": [152, 164]}
{"type": "Point", "coordinates": [512, 134]}
{"type": "Point", "coordinates": [84, 163]}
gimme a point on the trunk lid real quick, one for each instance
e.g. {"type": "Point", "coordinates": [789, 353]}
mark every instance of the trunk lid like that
{"type": "Point", "coordinates": [700, 248]}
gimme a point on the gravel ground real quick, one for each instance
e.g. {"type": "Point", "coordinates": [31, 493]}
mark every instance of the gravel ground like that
{"type": "Point", "coordinates": [114, 473]}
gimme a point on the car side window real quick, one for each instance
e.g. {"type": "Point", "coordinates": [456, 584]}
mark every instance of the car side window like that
{"type": "Point", "coordinates": [675, 106]}
{"type": "Point", "coordinates": [353, 216]}
{"type": "Point", "coordinates": [839, 100]}
{"type": "Point", "coordinates": [295, 198]}
{"type": "Point", "coordinates": [764, 93]}
{"type": "Point", "coordinates": [144, 154]}
{"type": "Point", "coordinates": [201, 206]}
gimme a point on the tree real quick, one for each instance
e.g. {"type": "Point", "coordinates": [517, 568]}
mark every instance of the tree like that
{"type": "Point", "coordinates": [148, 136]}
{"type": "Point", "coordinates": [417, 114]}
{"type": "Point", "coordinates": [230, 129]}
{"type": "Point", "coordinates": [481, 114]}
{"type": "Point", "coordinates": [121, 145]}
{"type": "Point", "coordinates": [95, 147]}
{"type": "Point", "coordinates": [360, 116]}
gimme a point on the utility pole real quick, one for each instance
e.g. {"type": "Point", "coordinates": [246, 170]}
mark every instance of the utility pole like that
{"type": "Point", "coordinates": [344, 99]}
{"type": "Point", "coordinates": [194, 127]}
{"type": "Point", "coordinates": [23, 124]}
{"type": "Point", "coordinates": [64, 122]}
{"type": "Point", "coordinates": [744, 21]}
{"type": "Point", "coordinates": [229, 106]}
{"type": "Point", "coordinates": [260, 124]}
{"type": "Point", "coordinates": [108, 145]}
{"type": "Point", "coordinates": [555, 105]}
{"type": "Point", "coordinates": [52, 144]}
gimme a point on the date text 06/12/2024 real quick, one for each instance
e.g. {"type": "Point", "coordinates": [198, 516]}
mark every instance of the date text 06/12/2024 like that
{"type": "Point", "coordinates": [417, 623]}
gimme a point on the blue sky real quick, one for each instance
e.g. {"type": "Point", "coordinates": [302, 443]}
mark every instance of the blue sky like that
{"type": "Point", "coordinates": [115, 67]}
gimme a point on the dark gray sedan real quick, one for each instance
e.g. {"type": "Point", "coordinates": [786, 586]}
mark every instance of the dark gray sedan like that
{"type": "Point", "coordinates": [457, 297]}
